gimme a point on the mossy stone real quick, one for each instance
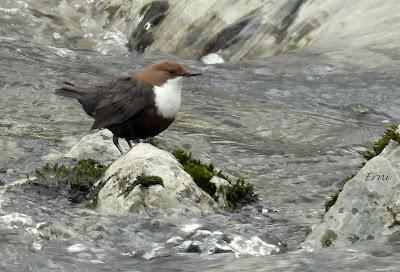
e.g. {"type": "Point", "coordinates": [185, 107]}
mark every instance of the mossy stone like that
{"type": "Point", "coordinates": [153, 141]}
{"type": "Point", "coordinates": [380, 144]}
{"type": "Point", "coordinates": [80, 177]}
{"type": "Point", "coordinates": [239, 194]}
{"type": "Point", "coordinates": [145, 181]}
{"type": "Point", "coordinates": [377, 148]}
{"type": "Point", "coordinates": [328, 238]}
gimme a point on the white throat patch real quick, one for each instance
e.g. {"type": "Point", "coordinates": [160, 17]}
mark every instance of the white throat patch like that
{"type": "Point", "coordinates": [168, 97]}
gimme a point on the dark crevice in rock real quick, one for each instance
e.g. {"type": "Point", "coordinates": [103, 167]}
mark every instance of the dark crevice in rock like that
{"type": "Point", "coordinates": [229, 35]}
{"type": "Point", "coordinates": [281, 30]}
{"type": "Point", "coordinates": [151, 15]}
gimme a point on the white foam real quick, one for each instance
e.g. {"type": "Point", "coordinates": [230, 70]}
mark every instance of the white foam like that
{"type": "Point", "coordinates": [15, 219]}
{"type": "Point", "coordinates": [212, 58]}
{"type": "Point", "coordinates": [190, 227]}
{"type": "Point", "coordinates": [77, 248]}
{"type": "Point", "coordinates": [254, 246]}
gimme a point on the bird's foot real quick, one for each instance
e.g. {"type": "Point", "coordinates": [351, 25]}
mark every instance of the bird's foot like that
{"type": "Point", "coordinates": [132, 143]}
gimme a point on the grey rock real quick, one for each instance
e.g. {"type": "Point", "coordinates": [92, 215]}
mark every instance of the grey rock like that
{"type": "Point", "coordinates": [97, 146]}
{"type": "Point", "coordinates": [244, 29]}
{"type": "Point", "coordinates": [223, 187]}
{"type": "Point", "coordinates": [178, 194]}
{"type": "Point", "coordinates": [368, 206]}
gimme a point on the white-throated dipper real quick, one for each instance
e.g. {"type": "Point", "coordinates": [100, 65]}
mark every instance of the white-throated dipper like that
{"type": "Point", "coordinates": [134, 107]}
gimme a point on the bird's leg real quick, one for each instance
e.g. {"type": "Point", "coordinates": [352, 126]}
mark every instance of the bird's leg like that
{"type": "Point", "coordinates": [132, 143]}
{"type": "Point", "coordinates": [115, 141]}
{"type": "Point", "coordinates": [129, 143]}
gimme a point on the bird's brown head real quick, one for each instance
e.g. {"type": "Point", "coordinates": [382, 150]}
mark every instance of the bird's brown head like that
{"type": "Point", "coordinates": [160, 72]}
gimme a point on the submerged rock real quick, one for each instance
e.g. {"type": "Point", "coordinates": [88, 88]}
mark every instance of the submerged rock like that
{"type": "Point", "coordinates": [122, 193]}
{"type": "Point", "coordinates": [207, 242]}
{"type": "Point", "coordinates": [368, 206]}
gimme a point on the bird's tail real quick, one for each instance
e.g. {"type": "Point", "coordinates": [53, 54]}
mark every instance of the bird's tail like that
{"type": "Point", "coordinates": [69, 90]}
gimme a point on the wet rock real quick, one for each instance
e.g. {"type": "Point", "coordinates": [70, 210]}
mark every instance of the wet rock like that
{"type": "Point", "coordinates": [368, 206]}
{"type": "Point", "coordinates": [97, 146]}
{"type": "Point", "coordinates": [121, 192]}
{"type": "Point", "coordinates": [251, 29]}
{"type": "Point", "coordinates": [194, 248]}
{"type": "Point", "coordinates": [212, 242]}
{"type": "Point", "coordinates": [207, 242]}
{"type": "Point", "coordinates": [358, 108]}
{"type": "Point", "coordinates": [223, 188]}
{"type": "Point", "coordinates": [150, 15]}
{"type": "Point", "coordinates": [227, 36]}
{"type": "Point", "coordinates": [234, 194]}
{"type": "Point", "coordinates": [72, 180]}
{"type": "Point", "coordinates": [157, 251]}
{"type": "Point", "coordinates": [144, 179]}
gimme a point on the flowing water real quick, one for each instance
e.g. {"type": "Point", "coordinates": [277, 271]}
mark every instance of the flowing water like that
{"type": "Point", "coordinates": [291, 124]}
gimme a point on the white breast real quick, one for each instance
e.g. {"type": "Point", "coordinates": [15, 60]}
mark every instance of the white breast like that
{"type": "Point", "coordinates": [168, 97]}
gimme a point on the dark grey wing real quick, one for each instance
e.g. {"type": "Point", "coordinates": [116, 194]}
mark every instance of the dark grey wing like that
{"type": "Point", "coordinates": [120, 100]}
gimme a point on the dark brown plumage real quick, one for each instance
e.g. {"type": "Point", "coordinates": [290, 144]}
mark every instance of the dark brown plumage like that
{"type": "Point", "coordinates": [128, 106]}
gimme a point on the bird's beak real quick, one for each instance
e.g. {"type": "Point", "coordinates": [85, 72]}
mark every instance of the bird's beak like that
{"type": "Point", "coordinates": [190, 75]}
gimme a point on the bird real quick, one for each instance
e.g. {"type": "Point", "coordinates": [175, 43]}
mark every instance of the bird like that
{"type": "Point", "coordinates": [134, 107]}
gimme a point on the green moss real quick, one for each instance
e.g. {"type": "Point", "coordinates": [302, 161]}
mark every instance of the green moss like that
{"type": "Point", "coordinates": [80, 177]}
{"type": "Point", "coordinates": [145, 181]}
{"type": "Point", "coordinates": [332, 199]}
{"type": "Point", "coordinates": [328, 238]}
{"type": "Point", "coordinates": [153, 141]}
{"type": "Point", "coordinates": [200, 172]}
{"type": "Point", "coordinates": [379, 145]}
{"type": "Point", "coordinates": [241, 192]}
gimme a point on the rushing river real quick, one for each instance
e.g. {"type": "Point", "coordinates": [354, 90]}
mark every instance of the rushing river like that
{"type": "Point", "coordinates": [291, 124]}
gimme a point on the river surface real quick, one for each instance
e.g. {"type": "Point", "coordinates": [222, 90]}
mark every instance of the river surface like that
{"type": "Point", "coordinates": [291, 124]}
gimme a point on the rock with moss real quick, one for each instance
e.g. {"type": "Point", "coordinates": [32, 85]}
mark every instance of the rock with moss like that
{"type": "Point", "coordinates": [368, 205]}
{"type": "Point", "coordinates": [227, 193]}
{"type": "Point", "coordinates": [390, 134]}
{"type": "Point", "coordinates": [332, 199]}
{"type": "Point", "coordinates": [378, 146]}
{"type": "Point", "coordinates": [328, 238]}
{"type": "Point", "coordinates": [76, 178]}
{"type": "Point", "coordinates": [145, 179]}
{"type": "Point", "coordinates": [151, 180]}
